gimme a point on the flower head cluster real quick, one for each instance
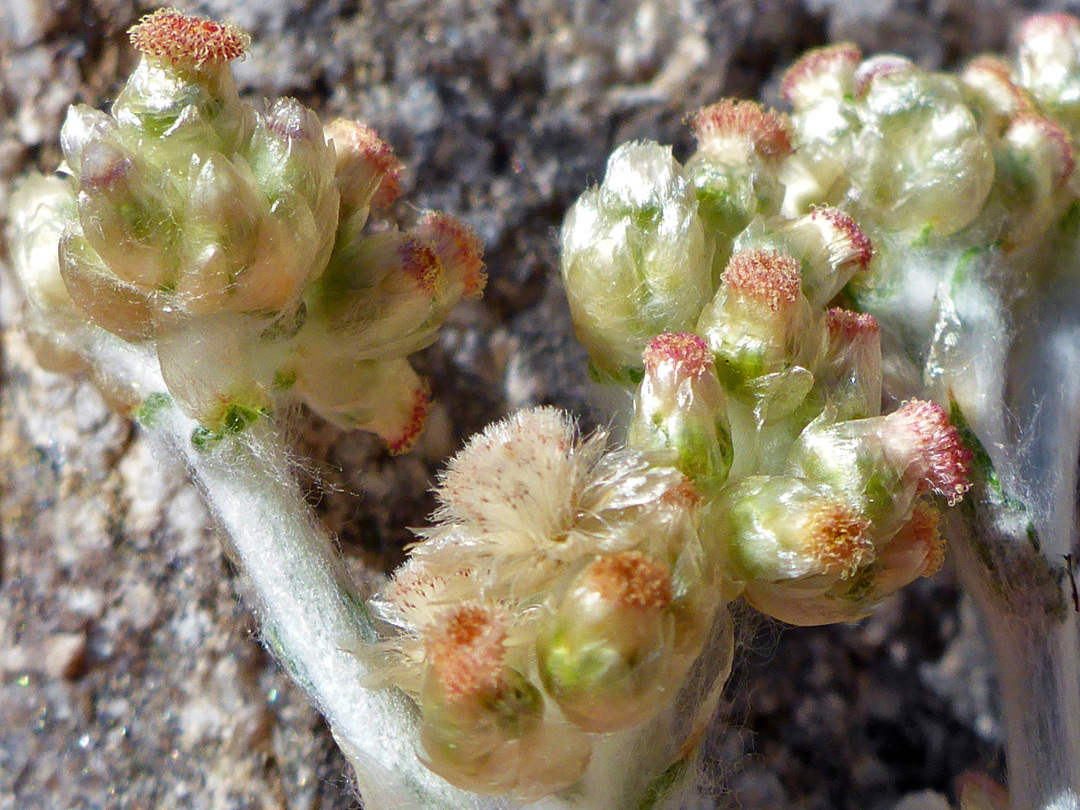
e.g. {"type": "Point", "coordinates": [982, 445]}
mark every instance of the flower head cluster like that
{"type": "Point", "coordinates": [234, 239]}
{"type": "Point", "coordinates": [766, 397]}
{"type": "Point", "coordinates": [564, 592]}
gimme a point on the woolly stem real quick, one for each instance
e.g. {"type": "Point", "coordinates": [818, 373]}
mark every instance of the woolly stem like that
{"type": "Point", "coordinates": [313, 618]}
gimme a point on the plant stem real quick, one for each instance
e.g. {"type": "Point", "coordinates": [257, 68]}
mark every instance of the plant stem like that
{"type": "Point", "coordinates": [313, 619]}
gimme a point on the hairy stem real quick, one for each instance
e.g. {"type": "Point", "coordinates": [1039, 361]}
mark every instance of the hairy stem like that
{"type": "Point", "coordinates": [313, 618]}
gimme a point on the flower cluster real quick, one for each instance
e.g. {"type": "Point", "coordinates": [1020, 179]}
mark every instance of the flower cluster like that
{"type": "Point", "coordinates": [567, 588]}
{"type": "Point", "coordinates": [764, 395]}
{"type": "Point", "coordinates": [236, 240]}
{"type": "Point", "coordinates": [563, 592]}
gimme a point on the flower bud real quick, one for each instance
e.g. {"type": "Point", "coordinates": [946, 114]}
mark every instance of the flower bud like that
{"type": "Point", "coordinates": [608, 650]}
{"type": "Point", "coordinates": [848, 374]}
{"type": "Point", "coordinates": [459, 251]}
{"type": "Point", "coordinates": [634, 257]}
{"type": "Point", "coordinates": [1048, 64]}
{"type": "Point", "coordinates": [680, 406]}
{"type": "Point", "coordinates": [880, 465]}
{"type": "Point", "coordinates": [1036, 159]}
{"type": "Point", "coordinates": [124, 216]}
{"type": "Point", "coordinates": [83, 125]}
{"type": "Point", "coordinates": [40, 210]}
{"type": "Point", "coordinates": [821, 74]}
{"type": "Point", "coordinates": [385, 397]}
{"type": "Point", "coordinates": [741, 145]}
{"type": "Point", "coordinates": [829, 245]}
{"type": "Point", "coordinates": [917, 550]}
{"type": "Point", "coordinates": [482, 723]}
{"type": "Point", "coordinates": [988, 82]}
{"type": "Point", "coordinates": [380, 297]}
{"type": "Point", "coordinates": [366, 171]}
{"type": "Point", "coordinates": [755, 324]}
{"type": "Point", "coordinates": [220, 239]}
{"type": "Point", "coordinates": [821, 88]}
{"type": "Point", "coordinates": [922, 160]}
{"type": "Point", "coordinates": [108, 302]}
{"type": "Point", "coordinates": [184, 79]}
{"type": "Point", "coordinates": [289, 153]}
{"type": "Point", "coordinates": [791, 534]}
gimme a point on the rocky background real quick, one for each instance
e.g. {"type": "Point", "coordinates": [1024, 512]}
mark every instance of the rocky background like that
{"type": "Point", "coordinates": [131, 677]}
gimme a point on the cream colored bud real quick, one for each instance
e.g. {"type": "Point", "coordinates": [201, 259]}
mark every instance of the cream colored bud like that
{"type": "Point", "coordinates": [680, 406]}
{"type": "Point", "coordinates": [741, 146]}
{"type": "Point", "coordinates": [848, 374]}
{"type": "Point", "coordinates": [608, 650]}
{"type": "Point", "coordinates": [822, 73]}
{"type": "Point", "coordinates": [792, 534]}
{"type": "Point", "coordinates": [367, 173]}
{"type": "Point", "coordinates": [634, 257]}
{"type": "Point", "coordinates": [755, 324]}
{"type": "Point", "coordinates": [482, 723]}
{"type": "Point", "coordinates": [1048, 64]}
{"type": "Point", "coordinates": [223, 223]}
{"type": "Point", "coordinates": [385, 397]}
{"type": "Point", "coordinates": [989, 82]}
{"type": "Point", "coordinates": [829, 245]}
{"type": "Point", "coordinates": [125, 217]}
{"type": "Point", "coordinates": [921, 160]}
{"type": "Point", "coordinates": [881, 464]}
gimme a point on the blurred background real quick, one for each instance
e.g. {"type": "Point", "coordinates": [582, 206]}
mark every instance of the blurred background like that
{"type": "Point", "coordinates": [131, 677]}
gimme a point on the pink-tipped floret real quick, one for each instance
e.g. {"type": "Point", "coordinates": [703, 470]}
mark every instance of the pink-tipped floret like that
{"type": "Point", "coordinates": [631, 579]}
{"type": "Point", "coordinates": [465, 648]}
{"type": "Point", "coordinates": [688, 351]}
{"type": "Point", "coordinates": [419, 264]}
{"type": "Point", "coordinates": [846, 233]}
{"type": "Point", "coordinates": [773, 278]}
{"type": "Point", "coordinates": [768, 131]}
{"type": "Point", "coordinates": [838, 59]}
{"type": "Point", "coordinates": [848, 327]}
{"type": "Point", "coordinates": [936, 446]}
{"type": "Point", "coordinates": [458, 247]}
{"type": "Point", "coordinates": [186, 41]}
{"type": "Point", "coordinates": [355, 141]}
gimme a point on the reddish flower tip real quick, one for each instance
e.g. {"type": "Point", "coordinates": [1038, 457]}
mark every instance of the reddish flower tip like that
{"type": "Point", "coordinates": [767, 130]}
{"type": "Point", "coordinates": [688, 351]}
{"type": "Point", "coordinates": [841, 58]}
{"type": "Point", "coordinates": [836, 537]}
{"type": "Point", "coordinates": [923, 528]}
{"type": "Point", "coordinates": [938, 446]}
{"type": "Point", "coordinates": [414, 425]}
{"type": "Point", "coordinates": [631, 579]}
{"type": "Point", "coordinates": [877, 67]}
{"type": "Point", "coordinates": [770, 277]}
{"type": "Point", "coordinates": [420, 264]}
{"type": "Point", "coordinates": [848, 326]}
{"type": "Point", "coordinates": [846, 236]}
{"type": "Point", "coordinates": [465, 649]}
{"type": "Point", "coordinates": [186, 41]}
{"type": "Point", "coordinates": [358, 142]}
{"type": "Point", "coordinates": [458, 248]}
